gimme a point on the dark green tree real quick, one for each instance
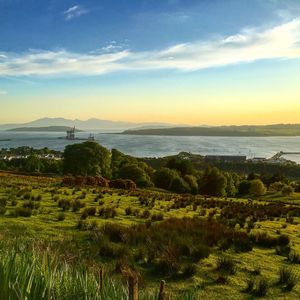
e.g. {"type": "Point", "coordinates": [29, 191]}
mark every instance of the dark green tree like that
{"type": "Point", "coordinates": [87, 159]}
{"type": "Point", "coordinates": [213, 182]}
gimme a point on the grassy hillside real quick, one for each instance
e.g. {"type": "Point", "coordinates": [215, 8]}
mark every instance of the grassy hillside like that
{"type": "Point", "coordinates": [222, 245]}
{"type": "Point", "coordinates": [247, 130]}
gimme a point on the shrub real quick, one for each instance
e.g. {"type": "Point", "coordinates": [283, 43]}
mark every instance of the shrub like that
{"type": "Point", "coordinates": [264, 240]}
{"type": "Point", "coordinates": [2, 210]}
{"type": "Point", "coordinates": [90, 211]}
{"type": "Point", "coordinates": [76, 205]}
{"type": "Point", "coordinates": [125, 184]}
{"type": "Point", "coordinates": [226, 264]}
{"type": "Point", "coordinates": [107, 212]}
{"type": "Point", "coordinates": [283, 250]}
{"type": "Point", "coordinates": [128, 211]}
{"type": "Point", "coordinates": [283, 240]}
{"type": "Point", "coordinates": [199, 252]}
{"type": "Point", "coordinates": [287, 278]}
{"type": "Point", "coordinates": [61, 216]}
{"type": "Point", "coordinates": [294, 257]}
{"type": "Point", "coordinates": [64, 204]}
{"type": "Point", "coordinates": [157, 217]}
{"type": "Point", "coordinates": [146, 214]}
{"type": "Point", "coordinates": [30, 204]}
{"type": "Point", "coordinates": [261, 287]}
{"type": "Point", "coordinates": [249, 286]}
{"type": "Point", "coordinates": [189, 270]}
{"type": "Point", "coordinates": [287, 190]}
{"type": "Point", "coordinates": [26, 196]}
{"type": "Point", "coordinates": [22, 212]}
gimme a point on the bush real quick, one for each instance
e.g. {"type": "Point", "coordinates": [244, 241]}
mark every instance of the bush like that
{"type": "Point", "coordinates": [261, 287]}
{"type": "Point", "coordinates": [125, 184]}
{"type": "Point", "coordinates": [189, 270]}
{"type": "Point", "coordinates": [107, 212]}
{"type": "Point", "coordinates": [199, 252]}
{"type": "Point", "coordinates": [22, 212]}
{"type": "Point", "coordinates": [294, 257]}
{"type": "Point", "coordinates": [128, 211]}
{"type": "Point", "coordinates": [64, 204]}
{"type": "Point", "coordinates": [226, 264]}
{"type": "Point", "coordinates": [287, 278]}
{"type": "Point", "coordinates": [61, 216]}
{"type": "Point", "coordinates": [287, 190]}
{"type": "Point", "coordinates": [76, 205]}
{"type": "Point", "coordinates": [146, 214]}
{"type": "Point", "coordinates": [283, 240]}
{"type": "Point", "coordinates": [2, 210]}
{"type": "Point", "coordinates": [31, 204]}
{"type": "Point", "coordinates": [90, 211]}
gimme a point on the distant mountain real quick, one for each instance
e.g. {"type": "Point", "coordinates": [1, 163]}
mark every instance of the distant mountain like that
{"type": "Point", "coordinates": [246, 131]}
{"type": "Point", "coordinates": [44, 129]}
{"type": "Point", "coordinates": [88, 124]}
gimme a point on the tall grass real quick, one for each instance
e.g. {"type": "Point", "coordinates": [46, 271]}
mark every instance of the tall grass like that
{"type": "Point", "coordinates": [26, 276]}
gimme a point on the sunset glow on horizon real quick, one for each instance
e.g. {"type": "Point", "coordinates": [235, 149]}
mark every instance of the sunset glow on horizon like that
{"type": "Point", "coordinates": [151, 61]}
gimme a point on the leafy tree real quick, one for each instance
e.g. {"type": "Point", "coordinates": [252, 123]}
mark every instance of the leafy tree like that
{"type": "Point", "coordinates": [178, 185]}
{"type": "Point", "coordinates": [183, 166]}
{"type": "Point", "coordinates": [191, 180]}
{"type": "Point", "coordinates": [257, 188]}
{"type": "Point", "coordinates": [213, 182]}
{"type": "Point", "coordinates": [287, 190]}
{"type": "Point", "coordinates": [32, 164]}
{"type": "Point", "coordinates": [136, 174]}
{"type": "Point", "coordinates": [164, 177]}
{"type": "Point", "coordinates": [244, 187]}
{"type": "Point", "coordinates": [88, 158]}
{"type": "Point", "coordinates": [231, 189]}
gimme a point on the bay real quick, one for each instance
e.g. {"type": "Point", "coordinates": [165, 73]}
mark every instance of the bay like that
{"type": "Point", "coordinates": [158, 146]}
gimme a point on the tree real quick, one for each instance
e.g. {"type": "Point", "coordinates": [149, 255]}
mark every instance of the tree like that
{"type": "Point", "coordinates": [244, 187]}
{"type": "Point", "coordinates": [32, 164]}
{"type": "Point", "coordinates": [231, 189]}
{"type": "Point", "coordinates": [88, 158]}
{"type": "Point", "coordinates": [136, 174]}
{"type": "Point", "coordinates": [213, 182]}
{"type": "Point", "coordinates": [164, 177]}
{"type": "Point", "coordinates": [178, 185]}
{"type": "Point", "coordinates": [183, 166]}
{"type": "Point", "coordinates": [257, 188]}
{"type": "Point", "coordinates": [287, 190]}
{"type": "Point", "coordinates": [191, 180]}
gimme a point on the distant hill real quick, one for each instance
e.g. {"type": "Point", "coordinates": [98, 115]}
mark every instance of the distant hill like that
{"type": "Point", "coordinates": [241, 131]}
{"type": "Point", "coordinates": [88, 124]}
{"type": "Point", "coordinates": [45, 129]}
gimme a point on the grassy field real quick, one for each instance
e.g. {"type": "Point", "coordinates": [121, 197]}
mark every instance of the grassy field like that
{"type": "Point", "coordinates": [71, 235]}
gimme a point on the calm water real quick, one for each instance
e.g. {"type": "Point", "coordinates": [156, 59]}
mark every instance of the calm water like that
{"type": "Point", "coordinates": [154, 146]}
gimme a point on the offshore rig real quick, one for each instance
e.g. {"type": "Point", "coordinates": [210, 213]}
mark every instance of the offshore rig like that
{"type": "Point", "coordinates": [71, 136]}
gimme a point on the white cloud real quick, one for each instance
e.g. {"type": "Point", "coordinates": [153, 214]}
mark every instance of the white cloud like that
{"type": "Point", "coordinates": [3, 92]}
{"type": "Point", "coordinates": [74, 12]}
{"type": "Point", "coordinates": [279, 42]}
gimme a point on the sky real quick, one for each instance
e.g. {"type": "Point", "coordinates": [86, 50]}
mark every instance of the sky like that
{"type": "Point", "coordinates": [214, 62]}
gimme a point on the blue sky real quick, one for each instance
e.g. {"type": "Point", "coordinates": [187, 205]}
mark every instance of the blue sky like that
{"type": "Point", "coordinates": [183, 61]}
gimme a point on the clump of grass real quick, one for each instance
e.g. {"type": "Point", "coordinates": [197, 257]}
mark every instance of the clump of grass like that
{"type": "Point", "coordinates": [61, 216]}
{"type": "Point", "coordinates": [294, 257]}
{"type": "Point", "coordinates": [25, 275]}
{"type": "Point", "coordinates": [262, 287]}
{"type": "Point", "coordinates": [226, 264]}
{"type": "Point", "coordinates": [287, 278]}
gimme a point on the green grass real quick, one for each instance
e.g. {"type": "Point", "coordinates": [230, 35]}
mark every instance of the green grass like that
{"type": "Point", "coordinates": [64, 259]}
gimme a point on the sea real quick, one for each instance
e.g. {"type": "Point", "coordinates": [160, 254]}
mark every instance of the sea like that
{"type": "Point", "coordinates": [158, 146]}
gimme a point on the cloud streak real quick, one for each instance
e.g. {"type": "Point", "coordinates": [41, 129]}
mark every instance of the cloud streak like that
{"type": "Point", "coordinates": [3, 92]}
{"type": "Point", "coordinates": [74, 12]}
{"type": "Point", "coordinates": [278, 42]}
